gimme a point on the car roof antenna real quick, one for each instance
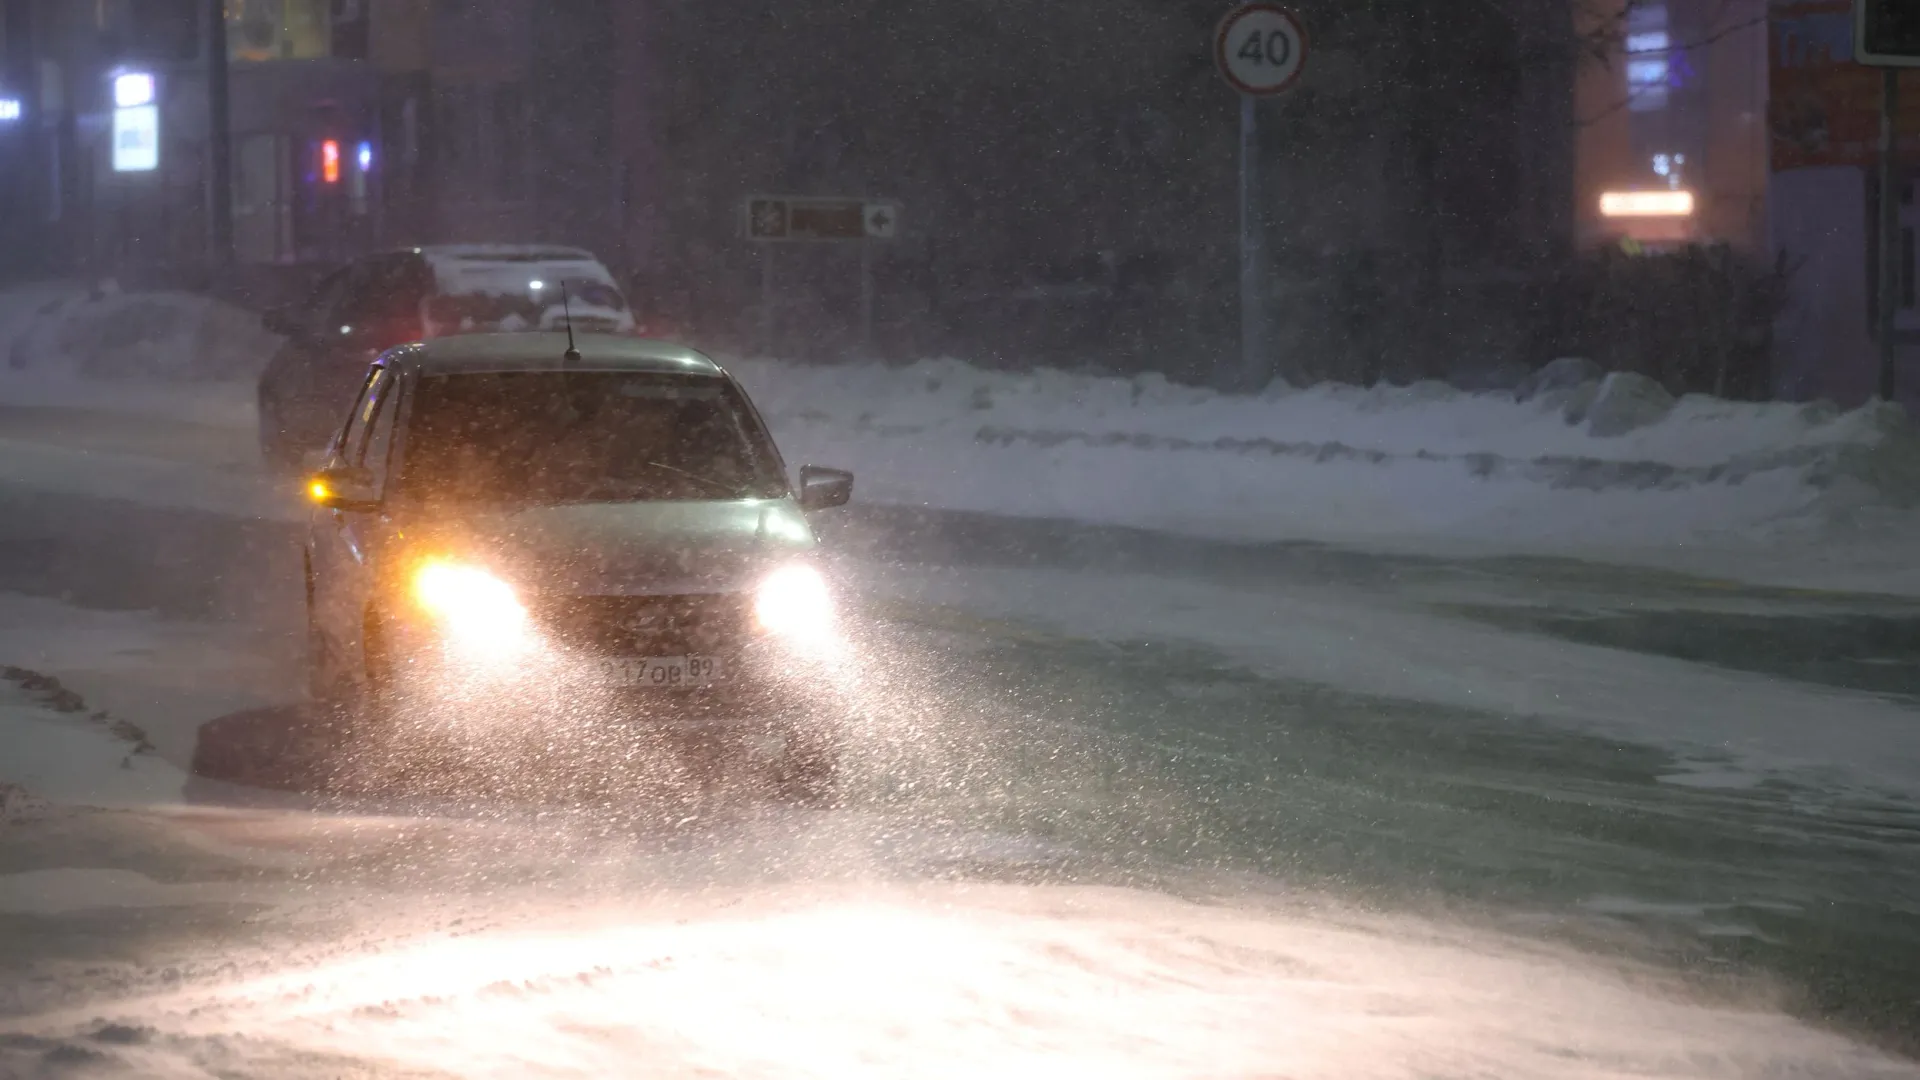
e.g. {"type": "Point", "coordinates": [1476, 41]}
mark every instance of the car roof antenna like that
{"type": "Point", "coordinates": [572, 355]}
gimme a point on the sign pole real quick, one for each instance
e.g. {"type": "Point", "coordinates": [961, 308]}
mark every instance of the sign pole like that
{"type": "Point", "coordinates": [1890, 268]}
{"type": "Point", "coordinates": [774, 219]}
{"type": "Point", "coordinates": [1260, 49]}
{"type": "Point", "coordinates": [866, 298]}
{"type": "Point", "coordinates": [766, 300]}
{"type": "Point", "coordinates": [219, 140]}
{"type": "Point", "coordinates": [1253, 259]}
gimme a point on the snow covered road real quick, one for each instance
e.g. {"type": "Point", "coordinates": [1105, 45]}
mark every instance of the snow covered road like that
{"type": "Point", "coordinates": [1127, 807]}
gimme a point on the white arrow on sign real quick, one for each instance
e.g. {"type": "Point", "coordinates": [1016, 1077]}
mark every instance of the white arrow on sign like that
{"type": "Point", "coordinates": [1260, 48]}
{"type": "Point", "coordinates": [883, 219]}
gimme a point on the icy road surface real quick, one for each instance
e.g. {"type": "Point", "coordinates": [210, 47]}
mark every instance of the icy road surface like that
{"type": "Point", "coordinates": [1121, 806]}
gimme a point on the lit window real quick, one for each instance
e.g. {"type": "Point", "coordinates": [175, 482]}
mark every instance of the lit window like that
{"type": "Point", "coordinates": [264, 30]}
{"type": "Point", "coordinates": [1647, 84]}
{"type": "Point", "coordinates": [132, 88]}
{"type": "Point", "coordinates": [1644, 204]}
{"type": "Point", "coordinates": [1647, 73]}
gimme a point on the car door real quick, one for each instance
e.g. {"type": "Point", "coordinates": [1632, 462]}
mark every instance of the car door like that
{"type": "Point", "coordinates": [337, 551]}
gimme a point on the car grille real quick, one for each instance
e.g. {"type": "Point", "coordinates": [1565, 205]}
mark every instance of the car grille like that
{"type": "Point", "coordinates": [649, 625]}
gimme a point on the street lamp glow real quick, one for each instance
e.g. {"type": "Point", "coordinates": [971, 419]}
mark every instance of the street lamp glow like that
{"type": "Point", "coordinates": [10, 110]}
{"type": "Point", "coordinates": [365, 156]}
{"type": "Point", "coordinates": [132, 88]}
{"type": "Point", "coordinates": [1641, 204]}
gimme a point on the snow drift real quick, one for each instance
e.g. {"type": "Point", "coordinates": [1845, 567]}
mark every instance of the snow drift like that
{"type": "Point", "coordinates": [1342, 462]}
{"type": "Point", "coordinates": [104, 333]}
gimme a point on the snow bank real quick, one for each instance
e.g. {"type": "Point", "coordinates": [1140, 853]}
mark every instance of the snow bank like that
{"type": "Point", "coordinates": [103, 333]}
{"type": "Point", "coordinates": [1337, 462]}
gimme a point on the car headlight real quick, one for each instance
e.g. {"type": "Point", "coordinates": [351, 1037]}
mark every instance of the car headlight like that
{"type": "Point", "coordinates": [472, 607]}
{"type": "Point", "coordinates": [794, 601]}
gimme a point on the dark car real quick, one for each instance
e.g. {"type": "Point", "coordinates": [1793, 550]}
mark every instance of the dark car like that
{"type": "Point", "coordinates": [389, 299]}
{"type": "Point", "coordinates": [609, 531]}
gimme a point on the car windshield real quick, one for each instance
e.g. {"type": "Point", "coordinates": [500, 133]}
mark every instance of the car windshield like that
{"type": "Point", "coordinates": [593, 304]}
{"type": "Point", "coordinates": [580, 437]}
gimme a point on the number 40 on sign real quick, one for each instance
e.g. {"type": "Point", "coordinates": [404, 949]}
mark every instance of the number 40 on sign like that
{"type": "Point", "coordinates": [1260, 49]}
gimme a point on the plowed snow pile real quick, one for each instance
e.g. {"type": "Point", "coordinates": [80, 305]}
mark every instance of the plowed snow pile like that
{"type": "Point", "coordinates": [1339, 462]}
{"type": "Point", "coordinates": [103, 333]}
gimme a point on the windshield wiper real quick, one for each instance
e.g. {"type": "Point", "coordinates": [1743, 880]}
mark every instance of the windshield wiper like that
{"type": "Point", "coordinates": [714, 485]}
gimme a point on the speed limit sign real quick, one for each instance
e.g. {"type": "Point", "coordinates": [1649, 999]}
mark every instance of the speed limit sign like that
{"type": "Point", "coordinates": [1260, 49]}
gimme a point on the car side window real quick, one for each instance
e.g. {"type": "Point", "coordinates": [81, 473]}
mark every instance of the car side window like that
{"type": "Point", "coordinates": [351, 310]}
{"type": "Point", "coordinates": [383, 302]}
{"type": "Point", "coordinates": [397, 289]}
{"type": "Point", "coordinates": [380, 435]}
{"type": "Point", "coordinates": [346, 446]}
{"type": "Point", "coordinates": [323, 307]}
{"type": "Point", "coordinates": [354, 449]}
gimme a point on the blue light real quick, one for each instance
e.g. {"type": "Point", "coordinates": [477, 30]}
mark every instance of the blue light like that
{"type": "Point", "coordinates": [365, 156]}
{"type": "Point", "coordinates": [10, 109]}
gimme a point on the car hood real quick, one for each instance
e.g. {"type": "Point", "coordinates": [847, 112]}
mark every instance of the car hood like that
{"type": "Point", "coordinates": [607, 549]}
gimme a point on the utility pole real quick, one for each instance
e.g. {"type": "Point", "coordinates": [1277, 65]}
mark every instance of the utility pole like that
{"type": "Point", "coordinates": [219, 140]}
{"type": "Point", "coordinates": [1425, 126]}
{"type": "Point", "coordinates": [1886, 35]}
{"type": "Point", "coordinates": [1890, 250]}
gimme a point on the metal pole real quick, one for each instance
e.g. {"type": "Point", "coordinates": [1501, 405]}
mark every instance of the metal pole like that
{"type": "Point", "coordinates": [1253, 259]}
{"type": "Point", "coordinates": [766, 299]}
{"type": "Point", "coordinates": [1890, 268]}
{"type": "Point", "coordinates": [219, 140]}
{"type": "Point", "coordinates": [866, 299]}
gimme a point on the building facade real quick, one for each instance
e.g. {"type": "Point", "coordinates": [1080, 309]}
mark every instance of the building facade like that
{"type": "Point", "coordinates": [1757, 113]}
{"type": "Point", "coordinates": [1673, 124]}
{"type": "Point", "coordinates": [355, 124]}
{"type": "Point", "coordinates": [114, 100]}
{"type": "Point", "coordinates": [1825, 202]}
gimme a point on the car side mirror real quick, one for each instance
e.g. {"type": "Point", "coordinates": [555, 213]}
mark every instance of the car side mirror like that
{"type": "Point", "coordinates": [344, 487]}
{"type": "Point", "coordinates": [823, 489]}
{"type": "Point", "coordinates": [280, 321]}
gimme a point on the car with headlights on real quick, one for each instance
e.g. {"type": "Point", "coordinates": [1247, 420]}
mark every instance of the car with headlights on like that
{"type": "Point", "coordinates": [606, 530]}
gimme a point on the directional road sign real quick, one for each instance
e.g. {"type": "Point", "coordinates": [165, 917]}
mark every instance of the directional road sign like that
{"type": "Point", "coordinates": [791, 218]}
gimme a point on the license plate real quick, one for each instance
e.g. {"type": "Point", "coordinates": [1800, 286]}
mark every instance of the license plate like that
{"type": "Point", "coordinates": [661, 671]}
